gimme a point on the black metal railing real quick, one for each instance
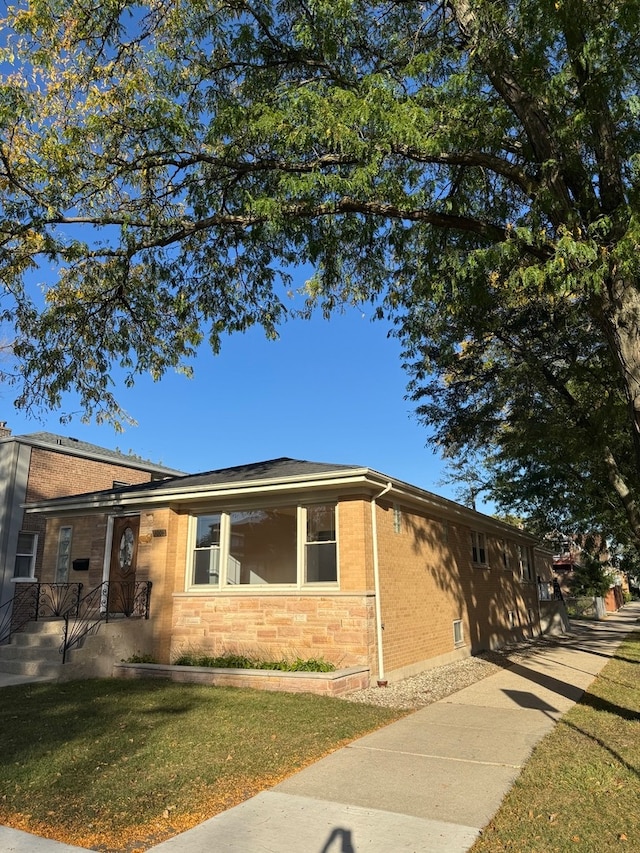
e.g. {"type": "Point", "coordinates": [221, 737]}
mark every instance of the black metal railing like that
{"type": "Point", "coordinates": [104, 603]}
{"type": "Point", "coordinates": [33, 601]}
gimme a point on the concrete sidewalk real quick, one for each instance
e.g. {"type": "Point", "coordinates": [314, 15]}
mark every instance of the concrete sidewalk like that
{"type": "Point", "coordinates": [425, 784]}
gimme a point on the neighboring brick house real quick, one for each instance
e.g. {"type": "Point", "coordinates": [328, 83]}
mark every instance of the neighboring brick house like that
{"type": "Point", "coordinates": [568, 556]}
{"type": "Point", "coordinates": [286, 557]}
{"type": "Point", "coordinates": [42, 465]}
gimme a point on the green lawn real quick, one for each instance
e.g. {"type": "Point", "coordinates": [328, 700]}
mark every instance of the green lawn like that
{"type": "Point", "coordinates": [580, 791]}
{"type": "Point", "coordinates": [119, 765]}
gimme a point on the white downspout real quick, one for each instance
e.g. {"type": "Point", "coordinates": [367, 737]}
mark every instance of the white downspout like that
{"type": "Point", "coordinates": [376, 579]}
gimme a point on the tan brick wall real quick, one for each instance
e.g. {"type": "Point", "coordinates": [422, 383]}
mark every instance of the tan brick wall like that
{"type": "Point", "coordinates": [155, 545]}
{"type": "Point", "coordinates": [427, 580]}
{"type": "Point", "coordinates": [87, 540]}
{"type": "Point", "coordinates": [355, 545]}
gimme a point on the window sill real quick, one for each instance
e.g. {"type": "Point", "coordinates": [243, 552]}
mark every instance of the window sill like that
{"type": "Point", "coordinates": [484, 566]}
{"type": "Point", "coordinates": [258, 589]}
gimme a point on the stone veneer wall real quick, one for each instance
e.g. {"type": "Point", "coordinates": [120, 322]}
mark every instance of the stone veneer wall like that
{"type": "Point", "coordinates": [337, 627]}
{"type": "Point", "coordinates": [322, 683]}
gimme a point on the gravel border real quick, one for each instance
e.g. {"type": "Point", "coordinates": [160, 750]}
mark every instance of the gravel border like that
{"type": "Point", "coordinates": [438, 683]}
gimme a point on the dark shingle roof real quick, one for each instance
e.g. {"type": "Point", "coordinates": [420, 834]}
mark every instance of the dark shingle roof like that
{"type": "Point", "coordinates": [270, 469]}
{"type": "Point", "coordinates": [84, 448]}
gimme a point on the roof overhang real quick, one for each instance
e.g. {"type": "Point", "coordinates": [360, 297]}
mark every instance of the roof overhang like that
{"type": "Point", "coordinates": [354, 481]}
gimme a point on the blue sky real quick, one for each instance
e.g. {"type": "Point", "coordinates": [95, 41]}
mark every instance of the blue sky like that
{"type": "Point", "coordinates": [327, 390]}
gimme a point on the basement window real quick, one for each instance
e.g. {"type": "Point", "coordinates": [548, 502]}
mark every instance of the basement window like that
{"type": "Point", "coordinates": [458, 633]}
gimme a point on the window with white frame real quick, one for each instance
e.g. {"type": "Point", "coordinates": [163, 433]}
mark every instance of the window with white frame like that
{"type": "Point", "coordinates": [321, 563]}
{"type": "Point", "coordinates": [206, 550]}
{"type": "Point", "coordinates": [266, 546]}
{"type": "Point", "coordinates": [525, 560]}
{"type": "Point", "coordinates": [506, 556]}
{"type": "Point", "coordinates": [458, 633]}
{"type": "Point", "coordinates": [26, 555]}
{"type": "Point", "coordinates": [478, 548]}
{"type": "Point", "coordinates": [64, 555]}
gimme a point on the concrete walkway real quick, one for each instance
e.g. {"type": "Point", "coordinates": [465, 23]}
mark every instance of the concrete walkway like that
{"type": "Point", "coordinates": [425, 784]}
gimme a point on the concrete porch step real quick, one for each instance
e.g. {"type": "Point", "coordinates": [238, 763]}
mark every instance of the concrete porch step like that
{"type": "Point", "coordinates": [17, 652]}
{"type": "Point", "coordinates": [40, 628]}
{"type": "Point", "coordinates": [31, 640]}
{"type": "Point", "coordinates": [34, 651]}
{"type": "Point", "coordinates": [43, 668]}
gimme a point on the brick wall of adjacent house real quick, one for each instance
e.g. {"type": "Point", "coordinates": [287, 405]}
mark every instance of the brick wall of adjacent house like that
{"type": "Point", "coordinates": [55, 475]}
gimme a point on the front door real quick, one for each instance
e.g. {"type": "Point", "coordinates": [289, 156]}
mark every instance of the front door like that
{"type": "Point", "coordinates": [122, 569]}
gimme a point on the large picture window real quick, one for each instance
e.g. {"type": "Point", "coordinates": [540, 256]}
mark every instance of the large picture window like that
{"type": "Point", "coordinates": [267, 546]}
{"type": "Point", "coordinates": [262, 546]}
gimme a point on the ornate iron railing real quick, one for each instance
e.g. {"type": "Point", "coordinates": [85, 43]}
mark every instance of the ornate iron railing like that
{"type": "Point", "coordinates": [33, 601]}
{"type": "Point", "coordinates": [108, 601]}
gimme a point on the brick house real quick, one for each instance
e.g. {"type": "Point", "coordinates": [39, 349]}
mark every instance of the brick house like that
{"type": "Point", "coordinates": [286, 557]}
{"type": "Point", "coordinates": [41, 466]}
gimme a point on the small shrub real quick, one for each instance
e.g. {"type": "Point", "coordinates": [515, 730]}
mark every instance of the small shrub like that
{"type": "Point", "coordinates": [234, 661]}
{"type": "Point", "coordinates": [311, 665]}
{"type": "Point", "coordinates": [140, 658]}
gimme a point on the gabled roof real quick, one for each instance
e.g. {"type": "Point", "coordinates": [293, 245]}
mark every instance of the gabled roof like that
{"type": "Point", "coordinates": [74, 447]}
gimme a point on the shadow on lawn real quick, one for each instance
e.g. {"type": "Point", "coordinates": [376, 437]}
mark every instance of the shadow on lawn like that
{"type": "Point", "coordinates": [583, 698]}
{"type": "Point", "coordinates": [612, 752]}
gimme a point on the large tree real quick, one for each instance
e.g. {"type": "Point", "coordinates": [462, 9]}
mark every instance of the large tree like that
{"type": "Point", "coordinates": [165, 162]}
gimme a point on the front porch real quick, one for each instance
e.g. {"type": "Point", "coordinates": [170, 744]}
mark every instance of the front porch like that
{"type": "Point", "coordinates": [61, 632]}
